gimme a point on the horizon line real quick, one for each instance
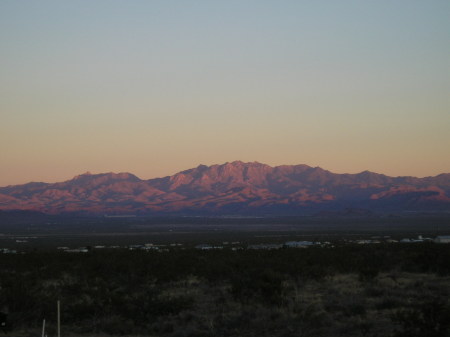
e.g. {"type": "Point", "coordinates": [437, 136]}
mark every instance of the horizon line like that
{"type": "Point", "coordinates": [88, 172]}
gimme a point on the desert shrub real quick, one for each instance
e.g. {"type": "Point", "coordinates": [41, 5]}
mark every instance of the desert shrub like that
{"type": "Point", "coordinates": [345, 303]}
{"type": "Point", "coordinates": [389, 303]}
{"type": "Point", "coordinates": [116, 325]}
{"type": "Point", "coordinates": [430, 318]}
{"type": "Point", "coordinates": [262, 285]}
{"type": "Point", "coordinates": [368, 274]}
{"type": "Point", "coordinates": [374, 290]}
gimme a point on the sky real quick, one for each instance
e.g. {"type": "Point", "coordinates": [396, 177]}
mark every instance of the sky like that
{"type": "Point", "coordinates": [156, 87]}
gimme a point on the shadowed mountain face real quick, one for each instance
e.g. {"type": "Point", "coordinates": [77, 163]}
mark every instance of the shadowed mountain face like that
{"type": "Point", "coordinates": [235, 188]}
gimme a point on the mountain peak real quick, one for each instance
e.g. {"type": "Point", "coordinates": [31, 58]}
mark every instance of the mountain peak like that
{"type": "Point", "coordinates": [85, 174]}
{"type": "Point", "coordinates": [240, 163]}
{"type": "Point", "coordinates": [88, 176]}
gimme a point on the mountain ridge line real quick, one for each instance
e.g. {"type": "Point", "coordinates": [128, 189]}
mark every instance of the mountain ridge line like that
{"type": "Point", "coordinates": [232, 188]}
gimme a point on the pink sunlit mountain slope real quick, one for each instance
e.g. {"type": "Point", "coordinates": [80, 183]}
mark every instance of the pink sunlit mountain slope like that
{"type": "Point", "coordinates": [235, 188]}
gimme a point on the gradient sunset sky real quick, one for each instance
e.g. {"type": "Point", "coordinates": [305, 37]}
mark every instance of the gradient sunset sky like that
{"type": "Point", "coordinates": [155, 87]}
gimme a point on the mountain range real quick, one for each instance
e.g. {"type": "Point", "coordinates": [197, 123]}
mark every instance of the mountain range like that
{"type": "Point", "coordinates": [235, 188]}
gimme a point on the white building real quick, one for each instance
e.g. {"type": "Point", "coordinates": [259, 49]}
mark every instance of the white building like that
{"type": "Point", "coordinates": [442, 239]}
{"type": "Point", "coordinates": [298, 244]}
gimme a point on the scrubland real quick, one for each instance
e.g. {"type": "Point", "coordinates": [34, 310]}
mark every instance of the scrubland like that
{"type": "Point", "coordinates": [378, 290]}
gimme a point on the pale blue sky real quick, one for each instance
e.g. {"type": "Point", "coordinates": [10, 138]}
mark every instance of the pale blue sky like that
{"type": "Point", "coordinates": [154, 87]}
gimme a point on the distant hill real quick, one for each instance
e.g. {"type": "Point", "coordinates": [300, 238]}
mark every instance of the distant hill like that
{"type": "Point", "coordinates": [235, 188]}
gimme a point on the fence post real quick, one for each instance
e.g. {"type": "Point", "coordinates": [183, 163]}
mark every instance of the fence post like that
{"type": "Point", "coordinates": [59, 319]}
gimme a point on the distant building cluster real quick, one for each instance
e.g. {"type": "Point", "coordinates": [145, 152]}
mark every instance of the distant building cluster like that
{"type": "Point", "coordinates": [442, 239]}
{"type": "Point", "coordinates": [8, 251]}
{"type": "Point", "coordinates": [236, 245]}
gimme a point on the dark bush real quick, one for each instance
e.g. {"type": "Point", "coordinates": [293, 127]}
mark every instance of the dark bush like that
{"type": "Point", "coordinates": [430, 318]}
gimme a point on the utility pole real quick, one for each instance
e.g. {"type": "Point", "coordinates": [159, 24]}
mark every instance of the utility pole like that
{"type": "Point", "coordinates": [58, 318]}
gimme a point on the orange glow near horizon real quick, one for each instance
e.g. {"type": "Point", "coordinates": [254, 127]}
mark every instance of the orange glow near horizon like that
{"type": "Point", "coordinates": [153, 89]}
